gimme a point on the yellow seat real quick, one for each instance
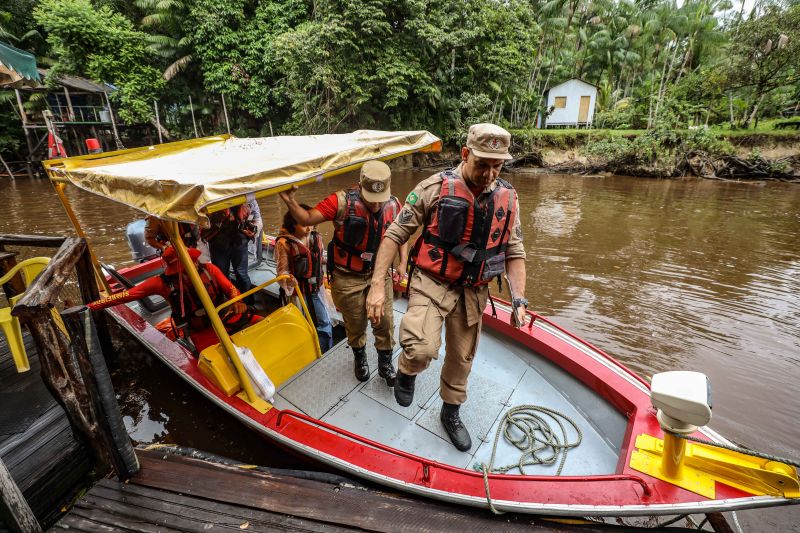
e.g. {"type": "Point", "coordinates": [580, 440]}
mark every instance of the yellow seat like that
{"type": "Point", "coordinates": [30, 269]}
{"type": "Point", "coordinates": [283, 343]}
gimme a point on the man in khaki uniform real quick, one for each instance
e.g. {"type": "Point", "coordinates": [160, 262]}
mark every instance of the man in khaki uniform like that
{"type": "Point", "coordinates": [470, 234]}
{"type": "Point", "coordinates": [361, 215]}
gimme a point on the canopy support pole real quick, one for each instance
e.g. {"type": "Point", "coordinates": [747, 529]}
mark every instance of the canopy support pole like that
{"type": "Point", "coordinates": [98, 273]}
{"type": "Point", "coordinates": [208, 305]}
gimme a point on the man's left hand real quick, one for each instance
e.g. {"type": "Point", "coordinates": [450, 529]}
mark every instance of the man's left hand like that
{"type": "Point", "coordinates": [375, 300]}
{"type": "Point", "coordinates": [519, 317]}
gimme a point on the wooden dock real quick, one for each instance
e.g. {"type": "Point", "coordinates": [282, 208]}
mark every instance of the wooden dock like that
{"type": "Point", "coordinates": [37, 444]}
{"type": "Point", "coordinates": [175, 493]}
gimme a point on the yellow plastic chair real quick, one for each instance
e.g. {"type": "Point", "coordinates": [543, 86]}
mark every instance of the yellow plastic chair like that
{"type": "Point", "coordinates": [30, 269]}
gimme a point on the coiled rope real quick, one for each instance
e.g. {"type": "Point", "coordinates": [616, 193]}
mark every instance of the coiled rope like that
{"type": "Point", "coordinates": [528, 428]}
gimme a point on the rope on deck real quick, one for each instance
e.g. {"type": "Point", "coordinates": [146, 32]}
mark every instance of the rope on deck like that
{"type": "Point", "coordinates": [526, 427]}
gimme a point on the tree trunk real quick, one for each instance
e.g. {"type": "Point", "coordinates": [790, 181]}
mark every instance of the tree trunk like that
{"type": "Point", "coordinates": [754, 114]}
{"type": "Point", "coordinates": [662, 88]}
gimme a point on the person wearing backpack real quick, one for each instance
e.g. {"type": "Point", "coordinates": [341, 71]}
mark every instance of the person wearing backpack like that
{"type": "Point", "coordinates": [227, 237]}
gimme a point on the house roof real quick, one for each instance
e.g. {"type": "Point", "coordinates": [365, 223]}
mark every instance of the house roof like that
{"type": "Point", "coordinates": [78, 83]}
{"type": "Point", "coordinates": [569, 80]}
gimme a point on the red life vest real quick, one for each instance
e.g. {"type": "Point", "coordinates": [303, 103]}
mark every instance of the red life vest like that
{"type": "Point", "coordinates": [190, 311]}
{"type": "Point", "coordinates": [465, 239]}
{"type": "Point", "coordinates": [306, 262]}
{"type": "Point", "coordinates": [356, 239]}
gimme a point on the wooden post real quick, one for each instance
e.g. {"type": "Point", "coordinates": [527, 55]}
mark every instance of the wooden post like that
{"type": "Point", "coordinates": [14, 509]}
{"type": "Point", "coordinates": [113, 123]}
{"type": "Point", "coordinates": [24, 117]}
{"type": "Point", "coordinates": [90, 292]}
{"type": "Point", "coordinates": [719, 523]}
{"type": "Point", "coordinates": [71, 111]}
{"type": "Point", "coordinates": [158, 122]}
{"type": "Point", "coordinates": [58, 371]}
{"type": "Point", "coordinates": [225, 112]}
{"type": "Point", "coordinates": [191, 108]}
{"type": "Point", "coordinates": [86, 348]}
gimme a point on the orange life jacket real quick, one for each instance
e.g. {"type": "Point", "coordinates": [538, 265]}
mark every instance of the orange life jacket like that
{"type": "Point", "coordinates": [185, 304]}
{"type": "Point", "coordinates": [464, 241]}
{"type": "Point", "coordinates": [306, 262]}
{"type": "Point", "coordinates": [356, 239]}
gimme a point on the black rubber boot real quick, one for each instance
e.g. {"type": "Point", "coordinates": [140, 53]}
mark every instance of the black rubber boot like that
{"type": "Point", "coordinates": [361, 366]}
{"type": "Point", "coordinates": [455, 427]}
{"type": "Point", "coordinates": [404, 389]}
{"type": "Point", "coordinates": [385, 368]}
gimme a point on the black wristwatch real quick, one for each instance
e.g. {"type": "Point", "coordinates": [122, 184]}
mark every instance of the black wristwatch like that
{"type": "Point", "coordinates": [516, 302]}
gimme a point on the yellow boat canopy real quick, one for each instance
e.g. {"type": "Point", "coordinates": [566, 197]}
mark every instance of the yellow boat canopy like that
{"type": "Point", "coordinates": [185, 181]}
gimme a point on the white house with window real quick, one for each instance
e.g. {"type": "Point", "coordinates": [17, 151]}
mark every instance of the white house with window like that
{"type": "Point", "coordinates": [569, 104]}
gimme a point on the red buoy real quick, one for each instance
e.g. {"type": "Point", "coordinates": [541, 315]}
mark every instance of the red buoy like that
{"type": "Point", "coordinates": [93, 145]}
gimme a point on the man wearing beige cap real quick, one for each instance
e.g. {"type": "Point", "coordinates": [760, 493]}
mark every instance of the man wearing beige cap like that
{"type": "Point", "coordinates": [361, 215]}
{"type": "Point", "coordinates": [470, 235]}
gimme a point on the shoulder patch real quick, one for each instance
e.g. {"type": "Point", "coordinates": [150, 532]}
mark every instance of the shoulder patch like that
{"type": "Point", "coordinates": [518, 231]}
{"type": "Point", "coordinates": [412, 198]}
{"type": "Point", "coordinates": [405, 215]}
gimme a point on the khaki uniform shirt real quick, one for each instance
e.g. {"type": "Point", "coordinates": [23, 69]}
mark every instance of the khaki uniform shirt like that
{"type": "Point", "coordinates": [417, 212]}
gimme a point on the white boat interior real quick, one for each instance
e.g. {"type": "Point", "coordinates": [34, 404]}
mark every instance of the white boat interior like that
{"type": "Point", "coordinates": [505, 374]}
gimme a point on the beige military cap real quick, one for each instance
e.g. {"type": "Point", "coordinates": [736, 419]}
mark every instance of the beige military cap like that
{"type": "Point", "coordinates": [376, 179]}
{"type": "Point", "coordinates": [489, 141]}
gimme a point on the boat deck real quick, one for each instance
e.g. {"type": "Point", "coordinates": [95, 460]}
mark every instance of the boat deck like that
{"type": "Point", "coordinates": [504, 375]}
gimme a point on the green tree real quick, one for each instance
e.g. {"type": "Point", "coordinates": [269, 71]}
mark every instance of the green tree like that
{"type": "Point", "coordinates": [102, 45]}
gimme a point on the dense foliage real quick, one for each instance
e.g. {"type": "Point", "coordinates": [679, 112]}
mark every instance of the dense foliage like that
{"type": "Point", "coordinates": [299, 66]}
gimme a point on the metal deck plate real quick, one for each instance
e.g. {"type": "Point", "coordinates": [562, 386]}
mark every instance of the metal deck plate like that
{"type": "Point", "coordinates": [324, 384]}
{"type": "Point", "coordinates": [487, 398]}
{"type": "Point", "coordinates": [426, 386]}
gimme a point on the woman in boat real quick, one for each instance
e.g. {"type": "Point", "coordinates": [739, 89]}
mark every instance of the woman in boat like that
{"type": "Point", "coordinates": [189, 320]}
{"type": "Point", "coordinates": [298, 252]}
{"type": "Point", "coordinates": [360, 215]}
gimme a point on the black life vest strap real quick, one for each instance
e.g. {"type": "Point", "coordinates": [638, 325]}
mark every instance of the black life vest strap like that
{"type": "Point", "coordinates": [466, 252]}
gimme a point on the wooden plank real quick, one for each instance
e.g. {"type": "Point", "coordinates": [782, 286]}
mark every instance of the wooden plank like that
{"type": "Point", "coordinates": [76, 523]}
{"type": "Point", "coordinates": [14, 508]}
{"type": "Point", "coordinates": [146, 496]}
{"type": "Point", "coordinates": [118, 522]}
{"type": "Point", "coordinates": [43, 241]}
{"type": "Point", "coordinates": [374, 511]}
{"type": "Point", "coordinates": [201, 511]}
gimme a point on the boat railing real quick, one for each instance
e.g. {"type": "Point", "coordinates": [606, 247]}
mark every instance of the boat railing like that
{"type": "Point", "coordinates": [428, 464]}
{"type": "Point", "coordinates": [537, 317]}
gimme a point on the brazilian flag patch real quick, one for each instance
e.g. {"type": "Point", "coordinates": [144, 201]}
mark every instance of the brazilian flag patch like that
{"type": "Point", "coordinates": [412, 198]}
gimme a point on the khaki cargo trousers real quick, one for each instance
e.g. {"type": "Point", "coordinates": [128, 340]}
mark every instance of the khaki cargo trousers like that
{"type": "Point", "coordinates": [349, 292]}
{"type": "Point", "coordinates": [431, 305]}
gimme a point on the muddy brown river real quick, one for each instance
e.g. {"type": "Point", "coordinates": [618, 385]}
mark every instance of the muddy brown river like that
{"type": "Point", "coordinates": [661, 274]}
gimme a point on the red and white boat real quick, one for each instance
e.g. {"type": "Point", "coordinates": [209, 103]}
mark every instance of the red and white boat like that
{"type": "Point", "coordinates": [624, 465]}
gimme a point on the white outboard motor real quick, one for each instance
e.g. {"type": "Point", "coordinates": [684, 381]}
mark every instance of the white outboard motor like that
{"type": "Point", "coordinates": [140, 250]}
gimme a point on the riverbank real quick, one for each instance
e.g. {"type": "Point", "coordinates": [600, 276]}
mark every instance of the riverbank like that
{"type": "Point", "coordinates": [701, 153]}
{"type": "Point", "coordinates": [704, 153]}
